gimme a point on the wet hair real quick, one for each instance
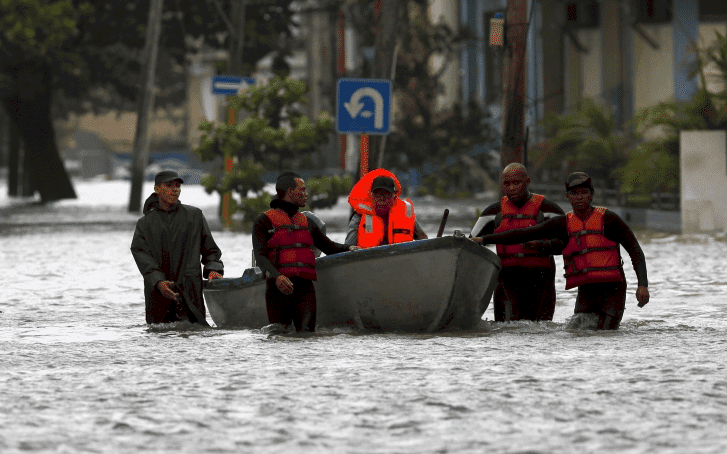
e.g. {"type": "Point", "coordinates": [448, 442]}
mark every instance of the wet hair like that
{"type": "Point", "coordinates": [286, 180]}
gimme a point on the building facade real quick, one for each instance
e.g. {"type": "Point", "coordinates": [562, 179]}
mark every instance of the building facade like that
{"type": "Point", "coordinates": [624, 54]}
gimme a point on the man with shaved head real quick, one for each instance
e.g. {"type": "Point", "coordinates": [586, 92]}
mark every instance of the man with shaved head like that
{"type": "Point", "coordinates": [526, 285]}
{"type": "Point", "coordinates": [593, 237]}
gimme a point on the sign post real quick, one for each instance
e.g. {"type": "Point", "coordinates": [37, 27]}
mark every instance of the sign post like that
{"type": "Point", "coordinates": [364, 154]}
{"type": "Point", "coordinates": [363, 107]}
{"type": "Point", "coordinates": [229, 85]}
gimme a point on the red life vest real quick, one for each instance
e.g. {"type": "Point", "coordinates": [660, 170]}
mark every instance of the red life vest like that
{"type": "Point", "coordinates": [291, 246]}
{"type": "Point", "coordinates": [518, 218]}
{"type": "Point", "coordinates": [371, 230]}
{"type": "Point", "coordinates": [589, 256]}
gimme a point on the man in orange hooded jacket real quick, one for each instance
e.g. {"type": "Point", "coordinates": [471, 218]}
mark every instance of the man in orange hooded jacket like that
{"type": "Point", "coordinates": [380, 215]}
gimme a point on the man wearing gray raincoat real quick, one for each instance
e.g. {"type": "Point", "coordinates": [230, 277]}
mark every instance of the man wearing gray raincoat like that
{"type": "Point", "coordinates": [168, 242]}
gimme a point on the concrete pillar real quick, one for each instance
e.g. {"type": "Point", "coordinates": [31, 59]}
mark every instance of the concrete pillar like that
{"type": "Point", "coordinates": [703, 161]}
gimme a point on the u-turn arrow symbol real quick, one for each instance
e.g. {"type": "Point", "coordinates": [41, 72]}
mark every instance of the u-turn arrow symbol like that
{"type": "Point", "coordinates": [354, 106]}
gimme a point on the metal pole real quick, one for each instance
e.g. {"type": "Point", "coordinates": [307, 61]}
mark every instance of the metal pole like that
{"type": "Point", "coordinates": [146, 104]}
{"type": "Point", "coordinates": [383, 139]}
{"type": "Point", "coordinates": [237, 14]}
{"type": "Point", "coordinates": [341, 70]}
{"type": "Point", "coordinates": [385, 39]}
{"type": "Point", "coordinates": [364, 154]}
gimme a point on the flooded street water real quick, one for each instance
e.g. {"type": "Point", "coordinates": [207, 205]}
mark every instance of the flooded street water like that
{"type": "Point", "coordinates": [81, 372]}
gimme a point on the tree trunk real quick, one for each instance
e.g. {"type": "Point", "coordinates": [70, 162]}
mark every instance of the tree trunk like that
{"type": "Point", "coordinates": [13, 159]}
{"type": "Point", "coordinates": [4, 138]}
{"type": "Point", "coordinates": [146, 105]}
{"type": "Point", "coordinates": [29, 108]}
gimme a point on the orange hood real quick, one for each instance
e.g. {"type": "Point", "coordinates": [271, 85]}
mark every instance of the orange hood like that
{"type": "Point", "coordinates": [360, 197]}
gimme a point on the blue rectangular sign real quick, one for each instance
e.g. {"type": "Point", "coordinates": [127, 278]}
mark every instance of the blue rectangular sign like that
{"type": "Point", "coordinates": [363, 106]}
{"type": "Point", "coordinates": [230, 85]}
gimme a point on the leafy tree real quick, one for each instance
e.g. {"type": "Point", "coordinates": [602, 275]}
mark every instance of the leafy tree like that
{"type": "Point", "coordinates": [274, 134]}
{"type": "Point", "coordinates": [588, 140]}
{"type": "Point", "coordinates": [32, 38]}
{"type": "Point", "coordinates": [90, 52]}
{"type": "Point", "coordinates": [423, 133]}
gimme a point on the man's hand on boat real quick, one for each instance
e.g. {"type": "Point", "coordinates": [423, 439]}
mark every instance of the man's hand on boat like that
{"type": "Point", "coordinates": [354, 248]}
{"type": "Point", "coordinates": [284, 284]}
{"type": "Point", "coordinates": [164, 288]}
{"type": "Point", "coordinates": [477, 239]}
{"type": "Point", "coordinates": [642, 295]}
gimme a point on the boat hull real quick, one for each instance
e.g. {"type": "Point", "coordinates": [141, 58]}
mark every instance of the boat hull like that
{"type": "Point", "coordinates": [418, 286]}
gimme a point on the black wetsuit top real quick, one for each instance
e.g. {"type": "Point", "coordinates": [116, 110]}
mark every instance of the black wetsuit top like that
{"type": "Point", "coordinates": [261, 236]}
{"type": "Point", "coordinates": [614, 229]}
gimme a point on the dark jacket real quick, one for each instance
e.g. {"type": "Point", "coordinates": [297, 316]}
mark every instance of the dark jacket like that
{"type": "Point", "coordinates": [167, 246]}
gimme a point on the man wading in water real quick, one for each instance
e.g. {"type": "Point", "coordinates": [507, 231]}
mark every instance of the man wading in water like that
{"type": "Point", "coordinates": [592, 256]}
{"type": "Point", "coordinates": [526, 284]}
{"type": "Point", "coordinates": [283, 240]}
{"type": "Point", "coordinates": [167, 245]}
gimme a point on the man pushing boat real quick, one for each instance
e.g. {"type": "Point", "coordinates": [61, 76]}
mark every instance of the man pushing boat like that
{"type": "Point", "coordinates": [526, 284]}
{"type": "Point", "coordinates": [283, 241]}
{"type": "Point", "coordinates": [592, 255]}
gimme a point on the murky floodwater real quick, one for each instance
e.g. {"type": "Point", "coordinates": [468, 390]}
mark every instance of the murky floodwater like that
{"type": "Point", "coordinates": [82, 373]}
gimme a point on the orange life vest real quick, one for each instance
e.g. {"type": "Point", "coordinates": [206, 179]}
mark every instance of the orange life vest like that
{"type": "Point", "coordinates": [518, 218]}
{"type": "Point", "coordinates": [400, 227]}
{"type": "Point", "coordinates": [371, 230]}
{"type": "Point", "coordinates": [291, 246]}
{"type": "Point", "coordinates": [589, 256]}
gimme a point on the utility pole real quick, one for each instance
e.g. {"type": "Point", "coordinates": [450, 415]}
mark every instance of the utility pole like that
{"type": "Point", "coordinates": [146, 104]}
{"type": "Point", "coordinates": [237, 43]}
{"type": "Point", "coordinates": [513, 80]}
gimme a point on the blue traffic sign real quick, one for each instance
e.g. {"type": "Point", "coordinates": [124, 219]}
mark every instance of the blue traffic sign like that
{"type": "Point", "coordinates": [230, 85]}
{"type": "Point", "coordinates": [363, 106]}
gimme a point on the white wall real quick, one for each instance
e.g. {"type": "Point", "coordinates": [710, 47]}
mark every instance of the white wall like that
{"type": "Point", "coordinates": [703, 160]}
{"type": "Point", "coordinates": [653, 68]}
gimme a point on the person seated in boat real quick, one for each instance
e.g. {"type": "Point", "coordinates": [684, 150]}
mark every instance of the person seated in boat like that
{"type": "Point", "coordinates": [283, 241]}
{"type": "Point", "coordinates": [592, 255]}
{"type": "Point", "coordinates": [168, 243]}
{"type": "Point", "coordinates": [380, 215]}
{"type": "Point", "coordinates": [526, 284]}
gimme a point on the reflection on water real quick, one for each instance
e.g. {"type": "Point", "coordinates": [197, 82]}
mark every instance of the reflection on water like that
{"type": "Point", "coordinates": [83, 373]}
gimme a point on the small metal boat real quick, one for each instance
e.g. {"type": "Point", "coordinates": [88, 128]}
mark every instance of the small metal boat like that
{"type": "Point", "coordinates": [417, 286]}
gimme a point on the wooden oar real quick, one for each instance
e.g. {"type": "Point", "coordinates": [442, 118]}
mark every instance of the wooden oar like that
{"type": "Point", "coordinates": [443, 223]}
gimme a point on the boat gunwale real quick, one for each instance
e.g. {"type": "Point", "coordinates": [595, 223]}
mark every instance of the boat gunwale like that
{"type": "Point", "coordinates": [449, 242]}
